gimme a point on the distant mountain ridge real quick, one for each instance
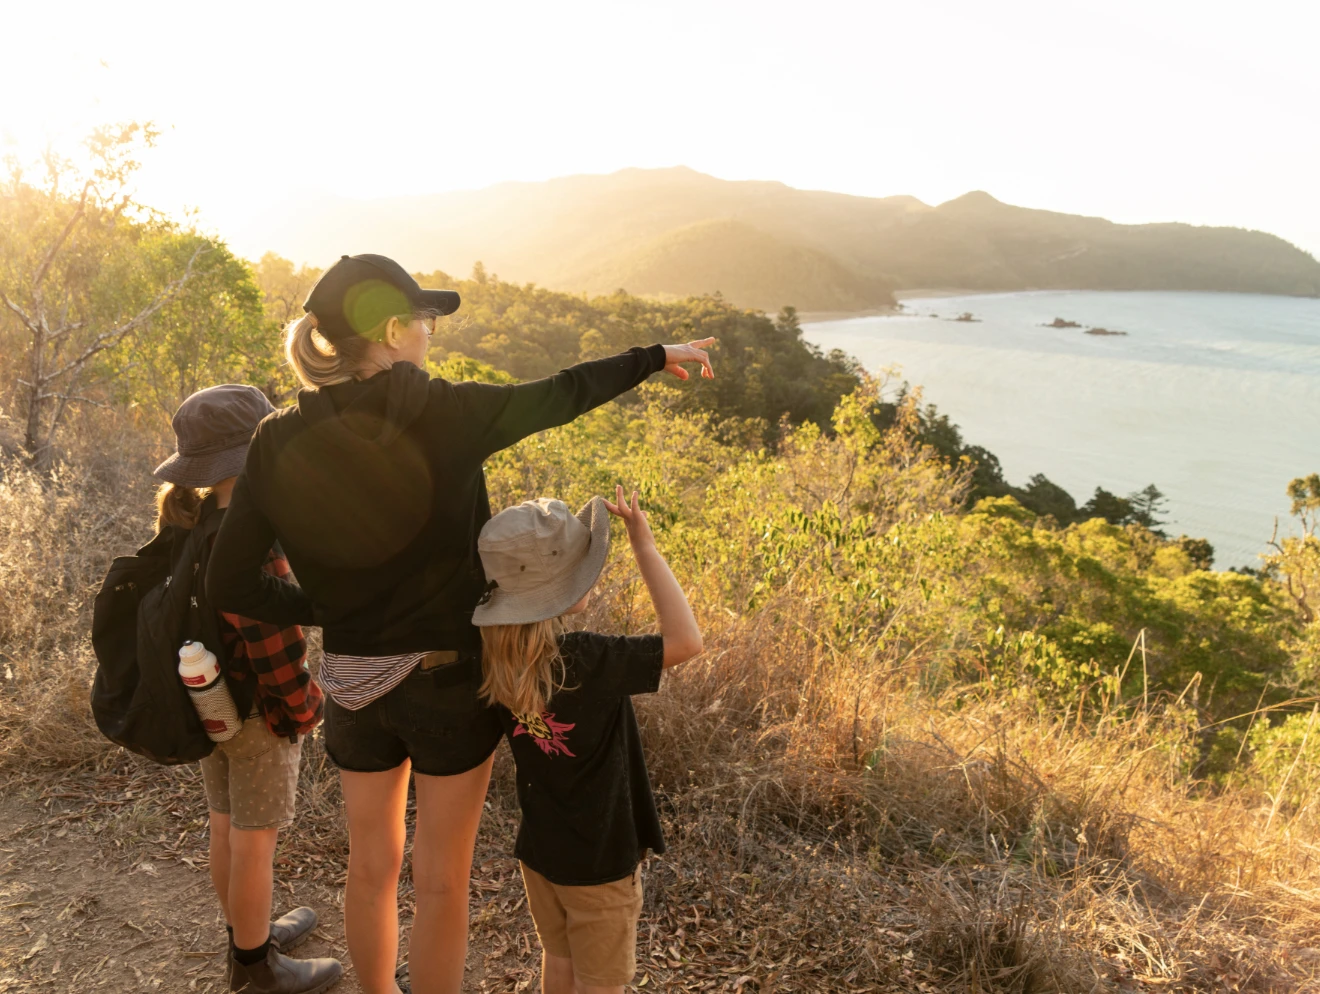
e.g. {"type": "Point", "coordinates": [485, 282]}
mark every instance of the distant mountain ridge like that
{"type": "Point", "coordinates": [676, 232]}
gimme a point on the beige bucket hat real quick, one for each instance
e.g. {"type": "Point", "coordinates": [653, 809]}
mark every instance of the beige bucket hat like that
{"type": "Point", "coordinates": [541, 559]}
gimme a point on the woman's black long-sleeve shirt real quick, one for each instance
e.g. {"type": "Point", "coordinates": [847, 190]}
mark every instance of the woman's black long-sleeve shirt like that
{"type": "Point", "coordinates": [375, 491]}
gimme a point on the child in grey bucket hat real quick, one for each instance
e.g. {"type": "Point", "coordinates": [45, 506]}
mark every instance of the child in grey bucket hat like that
{"type": "Point", "coordinates": [565, 701]}
{"type": "Point", "coordinates": [212, 429]}
{"type": "Point", "coordinates": [251, 780]}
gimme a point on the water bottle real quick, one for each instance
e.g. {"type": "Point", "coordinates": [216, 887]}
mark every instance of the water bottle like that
{"type": "Point", "coordinates": [200, 672]}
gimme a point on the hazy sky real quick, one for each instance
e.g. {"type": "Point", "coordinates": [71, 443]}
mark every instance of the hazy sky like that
{"type": "Point", "coordinates": [1152, 110]}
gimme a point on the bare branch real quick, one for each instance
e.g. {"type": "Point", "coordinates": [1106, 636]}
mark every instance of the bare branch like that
{"type": "Point", "coordinates": [22, 314]}
{"type": "Point", "coordinates": [71, 397]}
{"type": "Point", "coordinates": [66, 329]}
{"type": "Point", "coordinates": [63, 237]}
{"type": "Point", "coordinates": [108, 339]}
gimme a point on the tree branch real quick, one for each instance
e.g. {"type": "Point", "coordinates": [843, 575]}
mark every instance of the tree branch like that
{"type": "Point", "coordinates": [63, 237]}
{"type": "Point", "coordinates": [63, 330]}
{"type": "Point", "coordinates": [22, 314]}
{"type": "Point", "coordinates": [108, 339]}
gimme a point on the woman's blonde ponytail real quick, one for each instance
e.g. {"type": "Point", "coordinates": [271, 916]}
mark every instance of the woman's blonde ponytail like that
{"type": "Point", "coordinates": [317, 362]}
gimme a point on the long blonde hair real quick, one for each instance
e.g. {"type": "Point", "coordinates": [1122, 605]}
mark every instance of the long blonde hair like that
{"type": "Point", "coordinates": [178, 505]}
{"type": "Point", "coordinates": [521, 665]}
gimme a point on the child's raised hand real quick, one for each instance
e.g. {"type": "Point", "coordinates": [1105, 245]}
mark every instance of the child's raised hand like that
{"type": "Point", "coordinates": [634, 518]}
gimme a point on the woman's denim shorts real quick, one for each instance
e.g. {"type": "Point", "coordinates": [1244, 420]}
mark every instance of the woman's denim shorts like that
{"type": "Point", "coordinates": [433, 718]}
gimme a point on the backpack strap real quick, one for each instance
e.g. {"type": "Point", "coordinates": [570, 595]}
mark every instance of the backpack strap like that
{"type": "Point", "coordinates": [201, 625]}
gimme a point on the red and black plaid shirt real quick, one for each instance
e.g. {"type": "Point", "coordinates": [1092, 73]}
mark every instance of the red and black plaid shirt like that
{"type": "Point", "coordinates": [285, 694]}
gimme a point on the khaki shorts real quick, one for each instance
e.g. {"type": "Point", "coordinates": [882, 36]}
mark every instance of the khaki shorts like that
{"type": "Point", "coordinates": [253, 777]}
{"type": "Point", "coordinates": [594, 926]}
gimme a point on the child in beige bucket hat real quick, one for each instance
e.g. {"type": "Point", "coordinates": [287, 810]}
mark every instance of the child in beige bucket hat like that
{"type": "Point", "coordinates": [565, 699]}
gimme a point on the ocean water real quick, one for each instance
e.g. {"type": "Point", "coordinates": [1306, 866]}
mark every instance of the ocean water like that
{"type": "Point", "coordinates": [1215, 398]}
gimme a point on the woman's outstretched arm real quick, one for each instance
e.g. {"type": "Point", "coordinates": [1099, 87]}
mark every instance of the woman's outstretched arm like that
{"type": "Point", "coordinates": [499, 415]}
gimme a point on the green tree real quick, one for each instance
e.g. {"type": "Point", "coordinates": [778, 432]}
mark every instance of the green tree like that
{"type": "Point", "coordinates": [1148, 508]}
{"type": "Point", "coordinates": [1045, 497]}
{"type": "Point", "coordinates": [1110, 507]}
{"type": "Point", "coordinates": [213, 331]}
{"type": "Point", "coordinates": [78, 275]}
{"type": "Point", "coordinates": [1199, 551]}
{"type": "Point", "coordinates": [1297, 558]}
{"type": "Point", "coordinates": [284, 287]}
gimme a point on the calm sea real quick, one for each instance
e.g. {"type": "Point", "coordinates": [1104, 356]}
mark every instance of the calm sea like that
{"type": "Point", "coordinates": [1215, 398]}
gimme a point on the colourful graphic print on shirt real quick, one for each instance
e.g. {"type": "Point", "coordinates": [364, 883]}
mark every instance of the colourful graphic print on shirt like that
{"type": "Point", "coordinates": [547, 733]}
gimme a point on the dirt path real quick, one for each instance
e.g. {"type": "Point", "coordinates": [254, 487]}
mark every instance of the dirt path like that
{"type": "Point", "coordinates": [104, 886]}
{"type": "Point", "coordinates": [79, 912]}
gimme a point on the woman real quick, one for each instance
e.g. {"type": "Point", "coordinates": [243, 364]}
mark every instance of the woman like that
{"type": "Point", "coordinates": [373, 486]}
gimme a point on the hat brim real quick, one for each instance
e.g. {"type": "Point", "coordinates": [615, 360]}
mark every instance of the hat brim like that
{"type": "Point", "coordinates": [441, 301]}
{"type": "Point", "coordinates": [504, 608]}
{"type": "Point", "coordinates": [204, 470]}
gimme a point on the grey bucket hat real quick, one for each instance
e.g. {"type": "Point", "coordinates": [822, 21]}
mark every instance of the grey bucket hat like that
{"type": "Point", "coordinates": [212, 429]}
{"type": "Point", "coordinates": [541, 558]}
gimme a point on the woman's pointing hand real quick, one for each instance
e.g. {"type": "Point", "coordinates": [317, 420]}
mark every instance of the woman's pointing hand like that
{"type": "Point", "coordinates": [676, 355]}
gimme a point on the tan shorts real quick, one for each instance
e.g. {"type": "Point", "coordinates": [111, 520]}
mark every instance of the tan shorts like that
{"type": "Point", "coordinates": [253, 777]}
{"type": "Point", "coordinates": [594, 926]}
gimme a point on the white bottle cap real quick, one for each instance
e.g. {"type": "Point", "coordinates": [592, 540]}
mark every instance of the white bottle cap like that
{"type": "Point", "coordinates": [191, 652]}
{"type": "Point", "coordinates": [198, 668]}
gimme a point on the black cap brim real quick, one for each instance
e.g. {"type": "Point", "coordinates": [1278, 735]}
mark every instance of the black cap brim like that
{"type": "Point", "coordinates": [440, 301]}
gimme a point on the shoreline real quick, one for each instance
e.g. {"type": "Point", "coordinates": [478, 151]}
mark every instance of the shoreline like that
{"type": "Point", "coordinates": [939, 293]}
{"type": "Point", "coordinates": [935, 293]}
{"type": "Point", "coordinates": [816, 317]}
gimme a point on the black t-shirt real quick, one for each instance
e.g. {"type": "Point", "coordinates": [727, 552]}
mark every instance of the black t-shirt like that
{"type": "Point", "coordinates": [588, 814]}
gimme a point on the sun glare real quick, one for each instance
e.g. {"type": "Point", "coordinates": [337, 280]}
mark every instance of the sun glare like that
{"type": "Point", "coordinates": [1131, 112]}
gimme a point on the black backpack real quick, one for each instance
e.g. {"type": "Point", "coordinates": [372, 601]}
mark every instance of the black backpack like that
{"type": "Point", "coordinates": [148, 606]}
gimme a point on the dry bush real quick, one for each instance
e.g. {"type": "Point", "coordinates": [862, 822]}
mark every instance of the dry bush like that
{"type": "Point", "coordinates": [58, 534]}
{"type": "Point", "coordinates": [1032, 852]}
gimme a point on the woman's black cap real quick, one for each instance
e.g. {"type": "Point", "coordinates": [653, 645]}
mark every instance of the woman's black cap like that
{"type": "Point", "coordinates": [359, 292]}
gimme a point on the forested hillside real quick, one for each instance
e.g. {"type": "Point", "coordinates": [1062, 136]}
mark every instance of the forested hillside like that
{"type": "Point", "coordinates": [677, 233]}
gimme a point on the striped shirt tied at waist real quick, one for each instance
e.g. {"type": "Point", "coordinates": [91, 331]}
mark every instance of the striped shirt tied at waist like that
{"type": "Point", "coordinates": [356, 681]}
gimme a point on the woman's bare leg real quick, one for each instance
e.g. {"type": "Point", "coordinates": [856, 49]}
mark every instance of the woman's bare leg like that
{"type": "Point", "coordinates": [448, 813]}
{"type": "Point", "coordinates": [376, 803]}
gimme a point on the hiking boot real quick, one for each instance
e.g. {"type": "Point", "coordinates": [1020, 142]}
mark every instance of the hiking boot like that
{"type": "Point", "coordinates": [280, 974]}
{"type": "Point", "coordinates": [286, 932]}
{"type": "Point", "coordinates": [293, 928]}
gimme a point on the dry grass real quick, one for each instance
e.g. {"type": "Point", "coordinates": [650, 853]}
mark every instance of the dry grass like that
{"type": "Point", "coordinates": [1026, 852]}
{"type": "Point", "coordinates": [833, 824]}
{"type": "Point", "coordinates": [57, 537]}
